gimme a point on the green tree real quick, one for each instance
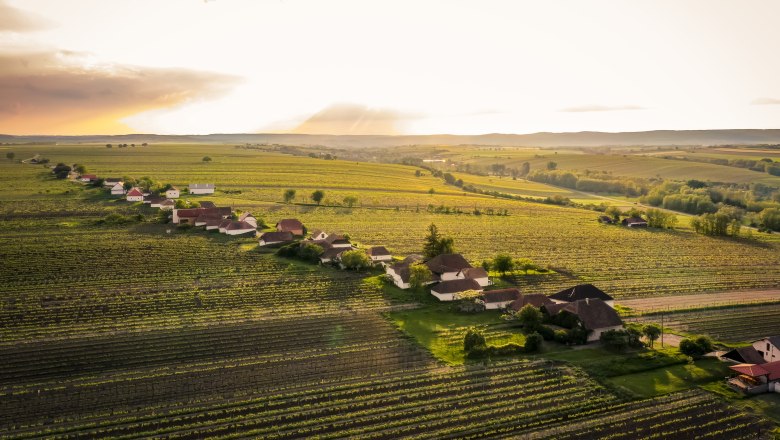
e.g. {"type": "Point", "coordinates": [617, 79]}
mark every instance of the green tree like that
{"type": "Point", "coordinates": [81, 169]}
{"type": "Point", "coordinates": [614, 212]}
{"type": "Point", "coordinates": [61, 171]}
{"type": "Point", "coordinates": [310, 252]}
{"type": "Point", "coordinates": [552, 165]}
{"type": "Point", "coordinates": [473, 339]}
{"type": "Point", "coordinates": [529, 317]}
{"type": "Point", "coordinates": [317, 196]}
{"type": "Point", "coordinates": [417, 173]}
{"type": "Point", "coordinates": [431, 191]}
{"type": "Point", "coordinates": [651, 332]}
{"type": "Point", "coordinates": [525, 168]}
{"type": "Point", "coordinates": [503, 263]}
{"type": "Point", "coordinates": [430, 246]}
{"type": "Point", "coordinates": [10, 155]}
{"type": "Point", "coordinates": [419, 275]}
{"type": "Point", "coordinates": [615, 340]}
{"type": "Point", "coordinates": [206, 159]}
{"type": "Point", "coordinates": [109, 145]}
{"type": "Point", "coordinates": [446, 245]}
{"type": "Point", "coordinates": [533, 343]}
{"type": "Point", "coordinates": [350, 201]}
{"type": "Point", "coordinates": [355, 259]}
{"type": "Point", "coordinates": [289, 195]}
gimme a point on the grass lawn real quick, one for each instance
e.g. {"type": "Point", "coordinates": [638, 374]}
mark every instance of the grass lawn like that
{"type": "Point", "coordinates": [767, 405]}
{"type": "Point", "coordinates": [440, 329]}
{"type": "Point", "coordinates": [672, 378]}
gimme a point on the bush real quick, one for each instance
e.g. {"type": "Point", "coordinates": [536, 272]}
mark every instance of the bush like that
{"type": "Point", "coordinates": [547, 333]}
{"type": "Point", "coordinates": [533, 342]}
{"type": "Point", "coordinates": [696, 347]}
{"type": "Point", "coordinates": [561, 336]}
{"type": "Point", "coordinates": [473, 339]}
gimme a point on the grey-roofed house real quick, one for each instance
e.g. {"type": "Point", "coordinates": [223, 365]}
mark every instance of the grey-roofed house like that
{"type": "Point", "coordinates": [500, 298]}
{"type": "Point", "coordinates": [582, 291]}
{"type": "Point", "coordinates": [595, 315]}
{"type": "Point", "coordinates": [448, 290]}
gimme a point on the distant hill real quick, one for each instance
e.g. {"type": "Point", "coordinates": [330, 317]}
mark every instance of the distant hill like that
{"type": "Point", "coordinates": [579, 139]}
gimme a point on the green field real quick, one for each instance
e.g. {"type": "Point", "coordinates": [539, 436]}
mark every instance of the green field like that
{"type": "Point", "coordinates": [142, 329]}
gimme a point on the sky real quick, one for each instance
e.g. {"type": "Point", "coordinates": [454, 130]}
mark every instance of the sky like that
{"type": "Point", "coordinates": [386, 67]}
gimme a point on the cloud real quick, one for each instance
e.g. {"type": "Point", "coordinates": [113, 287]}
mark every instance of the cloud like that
{"type": "Point", "coordinates": [765, 101]}
{"type": "Point", "coordinates": [353, 119]}
{"type": "Point", "coordinates": [71, 92]}
{"type": "Point", "coordinates": [600, 108]}
{"type": "Point", "coordinates": [16, 20]}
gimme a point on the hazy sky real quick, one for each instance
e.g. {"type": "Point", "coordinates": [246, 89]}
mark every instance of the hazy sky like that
{"type": "Point", "coordinates": [418, 67]}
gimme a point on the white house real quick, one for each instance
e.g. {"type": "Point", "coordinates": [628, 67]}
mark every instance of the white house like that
{"type": "Point", "coordinates": [448, 267]}
{"type": "Point", "coordinates": [379, 254]}
{"type": "Point", "coordinates": [201, 188]}
{"type": "Point", "coordinates": [119, 190]}
{"type": "Point", "coordinates": [167, 205]}
{"type": "Point", "coordinates": [477, 274]}
{"type": "Point", "coordinates": [499, 299]}
{"type": "Point", "coordinates": [172, 193]}
{"type": "Point", "coordinates": [768, 348]}
{"type": "Point", "coordinates": [582, 291]}
{"type": "Point", "coordinates": [318, 234]}
{"type": "Point", "coordinates": [135, 195]}
{"type": "Point", "coordinates": [238, 228]}
{"type": "Point", "coordinates": [249, 218]}
{"type": "Point", "coordinates": [87, 177]}
{"type": "Point", "coordinates": [447, 290]}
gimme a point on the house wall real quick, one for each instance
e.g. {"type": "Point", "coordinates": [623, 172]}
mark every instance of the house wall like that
{"type": "Point", "coordinates": [447, 276]}
{"type": "Point", "coordinates": [485, 281]}
{"type": "Point", "coordinates": [497, 305]}
{"type": "Point", "coordinates": [341, 246]}
{"type": "Point", "coordinates": [381, 258]}
{"type": "Point", "coordinates": [118, 192]}
{"type": "Point", "coordinates": [773, 354]}
{"type": "Point", "coordinates": [172, 194]}
{"type": "Point", "coordinates": [443, 296]}
{"type": "Point", "coordinates": [238, 231]}
{"type": "Point", "coordinates": [201, 191]}
{"type": "Point", "coordinates": [595, 335]}
{"type": "Point", "coordinates": [251, 220]}
{"type": "Point", "coordinates": [294, 231]}
{"type": "Point", "coordinates": [166, 208]}
{"type": "Point", "coordinates": [135, 198]}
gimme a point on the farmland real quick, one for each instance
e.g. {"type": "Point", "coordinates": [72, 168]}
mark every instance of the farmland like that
{"type": "Point", "coordinates": [144, 329]}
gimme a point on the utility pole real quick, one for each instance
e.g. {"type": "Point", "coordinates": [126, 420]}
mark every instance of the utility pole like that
{"type": "Point", "coordinates": [662, 329]}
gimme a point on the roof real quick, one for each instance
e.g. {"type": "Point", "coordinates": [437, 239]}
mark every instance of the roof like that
{"type": "Point", "coordinates": [168, 202]}
{"type": "Point", "coordinates": [581, 291]}
{"type": "Point", "coordinates": [207, 204]}
{"type": "Point", "coordinates": [447, 263]}
{"type": "Point", "coordinates": [201, 186]}
{"type": "Point", "coordinates": [377, 251]}
{"type": "Point", "coordinates": [135, 192]}
{"type": "Point", "coordinates": [274, 237]}
{"type": "Point", "coordinates": [224, 223]}
{"type": "Point", "coordinates": [774, 340]}
{"type": "Point", "coordinates": [773, 368]}
{"type": "Point", "coordinates": [88, 176]}
{"type": "Point", "coordinates": [747, 355]}
{"type": "Point", "coordinates": [475, 272]}
{"type": "Point", "coordinates": [333, 253]}
{"type": "Point", "coordinates": [155, 200]}
{"type": "Point", "coordinates": [594, 313]}
{"type": "Point", "coordinates": [535, 299]}
{"type": "Point", "coordinates": [751, 370]}
{"type": "Point", "coordinates": [414, 258]}
{"type": "Point", "coordinates": [455, 286]}
{"type": "Point", "coordinates": [500, 295]}
{"type": "Point", "coordinates": [289, 224]}
{"type": "Point", "coordinates": [215, 221]}
{"type": "Point", "coordinates": [245, 216]}
{"type": "Point", "coordinates": [336, 239]}
{"type": "Point", "coordinates": [317, 232]}
{"type": "Point", "coordinates": [197, 212]}
{"type": "Point", "coordinates": [239, 226]}
{"type": "Point", "coordinates": [173, 188]}
{"type": "Point", "coordinates": [633, 220]}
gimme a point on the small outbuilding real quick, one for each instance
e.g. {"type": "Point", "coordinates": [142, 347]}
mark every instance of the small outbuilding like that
{"type": "Point", "coordinates": [290, 225]}
{"type": "Point", "coordinates": [448, 290]}
{"type": "Point", "coordinates": [172, 193]}
{"type": "Point", "coordinates": [500, 298]}
{"type": "Point", "coordinates": [201, 188]}
{"type": "Point", "coordinates": [135, 195]}
{"type": "Point", "coordinates": [271, 238]}
{"type": "Point", "coordinates": [634, 222]}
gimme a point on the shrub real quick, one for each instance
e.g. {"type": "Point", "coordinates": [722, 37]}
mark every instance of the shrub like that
{"type": "Point", "coordinates": [547, 333]}
{"type": "Point", "coordinates": [533, 342]}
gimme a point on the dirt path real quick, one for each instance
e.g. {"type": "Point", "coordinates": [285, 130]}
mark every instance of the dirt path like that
{"type": "Point", "coordinates": [677, 302]}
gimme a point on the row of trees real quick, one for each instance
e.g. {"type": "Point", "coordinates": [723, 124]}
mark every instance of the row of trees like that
{"type": "Point", "coordinates": [504, 263]}
{"type": "Point", "coordinates": [317, 196]}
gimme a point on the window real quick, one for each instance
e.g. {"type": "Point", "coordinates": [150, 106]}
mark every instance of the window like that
{"type": "Point", "coordinates": [767, 346]}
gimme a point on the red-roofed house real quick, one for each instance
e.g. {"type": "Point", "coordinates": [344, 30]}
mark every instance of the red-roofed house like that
{"type": "Point", "coordinates": [135, 195]}
{"type": "Point", "coordinates": [290, 225]}
{"type": "Point", "coordinates": [499, 299]}
{"type": "Point", "coordinates": [756, 378]}
{"type": "Point", "coordinates": [87, 177]}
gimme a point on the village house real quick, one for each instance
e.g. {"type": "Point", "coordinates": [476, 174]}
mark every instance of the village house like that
{"type": "Point", "coordinates": [582, 291]}
{"type": "Point", "coordinates": [201, 188]}
{"type": "Point", "coordinates": [448, 290]}
{"type": "Point", "coordinates": [500, 298]}
{"type": "Point", "coordinates": [135, 195]}
{"type": "Point", "coordinates": [207, 204]}
{"type": "Point", "coordinates": [223, 225]}
{"type": "Point", "coordinates": [213, 223]}
{"type": "Point", "coordinates": [337, 241]}
{"type": "Point", "coordinates": [400, 272]}
{"type": "Point", "coordinates": [239, 228]}
{"type": "Point", "coordinates": [118, 189]}
{"type": "Point", "coordinates": [756, 378]}
{"type": "Point", "coordinates": [172, 193]}
{"type": "Point", "coordinates": [607, 220]}
{"type": "Point", "coordinates": [271, 238]}
{"type": "Point", "coordinates": [111, 182]}
{"type": "Point", "coordinates": [379, 254]}
{"type": "Point", "coordinates": [154, 202]}
{"type": "Point", "coordinates": [189, 215]}
{"type": "Point", "coordinates": [318, 234]}
{"type": "Point", "coordinates": [88, 178]}
{"type": "Point", "coordinates": [249, 218]}
{"type": "Point", "coordinates": [167, 205]}
{"type": "Point", "coordinates": [634, 222]}
{"type": "Point", "coordinates": [447, 267]}
{"type": "Point", "coordinates": [595, 315]}
{"type": "Point", "coordinates": [290, 225]}
{"type": "Point", "coordinates": [761, 351]}
{"type": "Point", "coordinates": [333, 254]}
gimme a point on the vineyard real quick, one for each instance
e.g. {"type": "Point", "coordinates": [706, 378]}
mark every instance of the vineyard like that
{"type": "Point", "coordinates": [141, 329]}
{"type": "Point", "coordinates": [506, 399]}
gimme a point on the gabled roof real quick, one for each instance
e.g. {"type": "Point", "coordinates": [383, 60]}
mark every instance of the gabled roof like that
{"type": "Point", "coordinates": [201, 186]}
{"type": "Point", "coordinates": [289, 224]}
{"type": "Point", "coordinates": [751, 370]}
{"type": "Point", "coordinates": [206, 204]}
{"type": "Point", "coordinates": [475, 272]}
{"type": "Point", "coordinates": [500, 295]}
{"type": "Point", "coordinates": [581, 291]}
{"type": "Point", "coordinates": [377, 251]}
{"type": "Point", "coordinates": [135, 192]}
{"type": "Point", "coordinates": [455, 286]}
{"type": "Point", "coordinates": [594, 313]}
{"type": "Point", "coordinates": [167, 202]}
{"type": "Point", "coordinates": [240, 226]}
{"type": "Point", "coordinates": [275, 237]}
{"type": "Point", "coordinates": [245, 216]}
{"type": "Point", "coordinates": [197, 212]}
{"type": "Point", "coordinates": [535, 299]}
{"type": "Point", "coordinates": [744, 355]}
{"type": "Point", "coordinates": [332, 253]}
{"type": "Point", "coordinates": [774, 340]}
{"type": "Point", "coordinates": [155, 200]}
{"type": "Point", "coordinates": [634, 220]}
{"type": "Point", "coordinates": [224, 223]}
{"type": "Point", "coordinates": [317, 232]}
{"type": "Point", "coordinates": [336, 239]}
{"type": "Point", "coordinates": [173, 188]}
{"type": "Point", "coordinates": [773, 368]}
{"type": "Point", "coordinates": [214, 221]}
{"type": "Point", "coordinates": [447, 263]}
